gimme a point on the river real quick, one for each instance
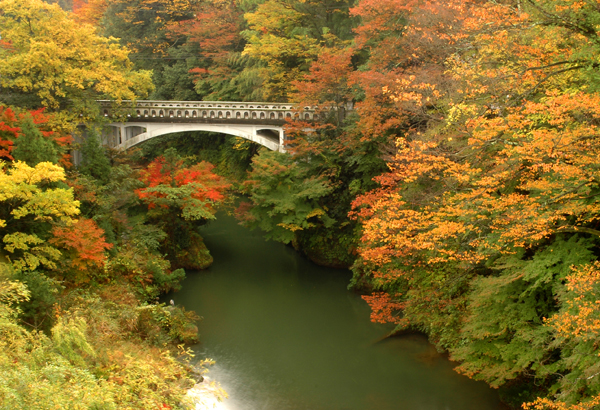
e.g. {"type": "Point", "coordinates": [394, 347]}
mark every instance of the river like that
{"type": "Point", "coordinates": [287, 335]}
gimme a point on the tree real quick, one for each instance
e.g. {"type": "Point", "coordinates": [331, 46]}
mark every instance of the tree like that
{"type": "Point", "coordinates": [8, 132]}
{"type": "Point", "coordinates": [328, 86]}
{"type": "Point", "coordinates": [492, 193]}
{"type": "Point", "coordinates": [215, 27]}
{"type": "Point", "coordinates": [140, 24]}
{"type": "Point", "coordinates": [41, 139]}
{"type": "Point", "coordinates": [284, 198]}
{"type": "Point", "coordinates": [83, 246]}
{"type": "Point", "coordinates": [179, 199]}
{"type": "Point", "coordinates": [94, 163]}
{"type": "Point", "coordinates": [214, 34]}
{"type": "Point", "coordinates": [191, 192]}
{"type": "Point", "coordinates": [65, 65]}
{"type": "Point", "coordinates": [32, 147]}
{"type": "Point", "coordinates": [89, 11]}
{"type": "Point", "coordinates": [28, 207]}
{"type": "Point", "coordinates": [575, 329]}
{"type": "Point", "coordinates": [286, 36]}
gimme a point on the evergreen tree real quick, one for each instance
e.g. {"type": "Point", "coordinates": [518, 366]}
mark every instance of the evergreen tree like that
{"type": "Point", "coordinates": [32, 147]}
{"type": "Point", "coordinates": [95, 163]}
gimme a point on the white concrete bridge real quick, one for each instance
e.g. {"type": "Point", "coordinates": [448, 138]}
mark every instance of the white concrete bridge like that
{"type": "Point", "coordinates": [135, 122]}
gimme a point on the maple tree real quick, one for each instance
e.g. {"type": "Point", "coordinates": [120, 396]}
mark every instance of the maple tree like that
{"type": "Point", "coordinates": [84, 247]}
{"type": "Point", "coordinates": [213, 34]}
{"type": "Point", "coordinates": [180, 198]}
{"type": "Point", "coordinates": [400, 41]}
{"type": "Point", "coordinates": [90, 11]}
{"type": "Point", "coordinates": [215, 27]}
{"type": "Point", "coordinates": [140, 24]}
{"type": "Point", "coordinates": [192, 191]}
{"type": "Point", "coordinates": [327, 87]}
{"type": "Point", "coordinates": [41, 141]}
{"type": "Point", "coordinates": [9, 131]}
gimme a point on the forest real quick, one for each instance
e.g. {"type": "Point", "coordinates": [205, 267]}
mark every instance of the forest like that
{"type": "Point", "coordinates": [455, 170]}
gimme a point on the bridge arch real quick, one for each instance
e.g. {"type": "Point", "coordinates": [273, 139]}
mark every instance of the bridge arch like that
{"type": "Point", "coordinates": [129, 134]}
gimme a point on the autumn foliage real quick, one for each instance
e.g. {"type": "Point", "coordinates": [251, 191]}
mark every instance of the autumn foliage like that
{"type": "Point", "coordinates": [215, 27]}
{"type": "Point", "coordinates": [81, 266]}
{"type": "Point", "coordinates": [10, 130]}
{"type": "Point", "coordinates": [84, 243]}
{"type": "Point", "coordinates": [89, 11]}
{"type": "Point", "coordinates": [181, 198]}
{"type": "Point", "coordinates": [491, 199]}
{"type": "Point", "coordinates": [61, 64]}
{"type": "Point", "coordinates": [163, 179]}
{"type": "Point", "coordinates": [454, 164]}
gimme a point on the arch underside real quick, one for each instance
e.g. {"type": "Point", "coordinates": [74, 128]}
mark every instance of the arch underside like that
{"type": "Point", "coordinates": [127, 135]}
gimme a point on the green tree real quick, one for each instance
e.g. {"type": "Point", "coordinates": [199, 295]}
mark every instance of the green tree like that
{"type": "Point", "coordinates": [285, 198]}
{"type": "Point", "coordinates": [95, 162]}
{"type": "Point", "coordinates": [32, 147]}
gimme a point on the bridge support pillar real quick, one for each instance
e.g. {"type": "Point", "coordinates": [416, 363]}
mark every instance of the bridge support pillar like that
{"type": "Point", "coordinates": [281, 140]}
{"type": "Point", "coordinates": [122, 136]}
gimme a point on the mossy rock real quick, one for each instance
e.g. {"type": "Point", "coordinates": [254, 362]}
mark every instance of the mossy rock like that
{"type": "Point", "coordinates": [324, 257]}
{"type": "Point", "coordinates": [327, 250]}
{"type": "Point", "coordinates": [195, 256]}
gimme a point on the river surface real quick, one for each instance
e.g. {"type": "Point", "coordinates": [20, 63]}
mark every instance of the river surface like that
{"type": "Point", "coordinates": [287, 335]}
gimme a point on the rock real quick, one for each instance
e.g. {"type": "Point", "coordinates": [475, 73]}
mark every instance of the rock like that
{"type": "Point", "coordinates": [195, 256]}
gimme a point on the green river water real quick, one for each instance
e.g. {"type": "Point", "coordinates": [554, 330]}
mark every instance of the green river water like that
{"type": "Point", "coordinates": [287, 335]}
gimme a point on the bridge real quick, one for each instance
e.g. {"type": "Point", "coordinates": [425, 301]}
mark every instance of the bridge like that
{"type": "Point", "coordinates": [139, 121]}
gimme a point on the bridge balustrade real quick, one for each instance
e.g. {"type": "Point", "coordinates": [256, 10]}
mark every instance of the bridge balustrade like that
{"type": "Point", "coordinates": [209, 111]}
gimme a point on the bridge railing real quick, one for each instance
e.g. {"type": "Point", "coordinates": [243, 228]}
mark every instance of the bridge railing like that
{"type": "Point", "coordinates": [207, 111]}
